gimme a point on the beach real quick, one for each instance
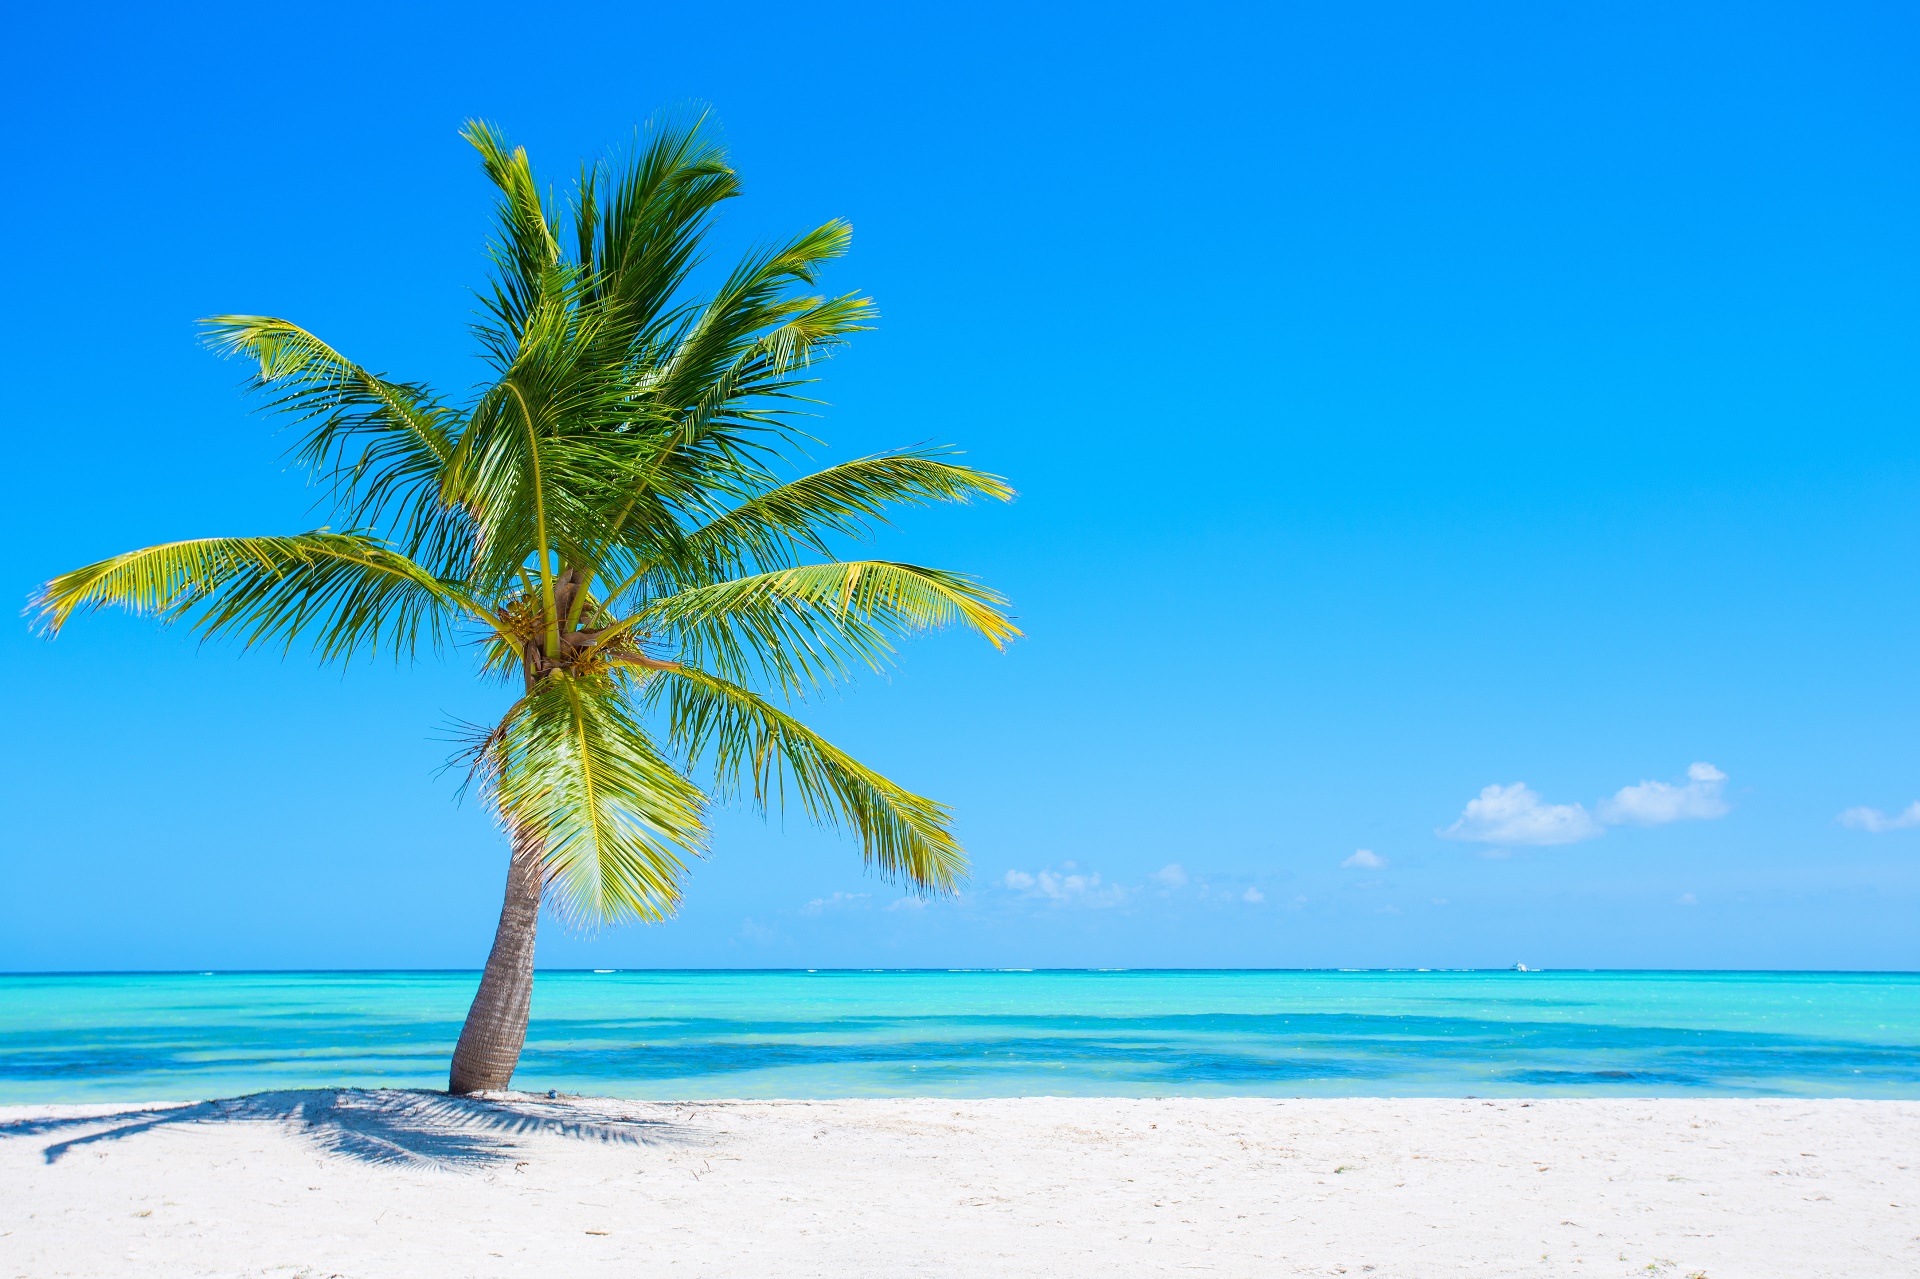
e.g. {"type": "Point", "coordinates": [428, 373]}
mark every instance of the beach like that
{"type": "Point", "coordinates": [373, 1183]}
{"type": "Point", "coordinates": [561, 734]}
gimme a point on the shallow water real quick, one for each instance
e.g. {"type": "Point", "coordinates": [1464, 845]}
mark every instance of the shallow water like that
{"type": "Point", "coordinates": [981, 1034]}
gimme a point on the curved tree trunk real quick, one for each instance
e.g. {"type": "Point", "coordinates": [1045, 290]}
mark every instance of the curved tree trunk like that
{"type": "Point", "coordinates": [496, 1027]}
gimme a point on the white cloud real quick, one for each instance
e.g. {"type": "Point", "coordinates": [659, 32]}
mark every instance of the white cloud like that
{"type": "Point", "coordinates": [1253, 895]}
{"type": "Point", "coordinates": [907, 903]}
{"type": "Point", "coordinates": [1172, 875]}
{"type": "Point", "coordinates": [1873, 821]}
{"type": "Point", "coordinates": [1069, 889]}
{"type": "Point", "coordinates": [836, 902]}
{"type": "Point", "coordinates": [1365, 859]}
{"type": "Point", "coordinates": [1657, 803]}
{"type": "Point", "coordinates": [1686, 899]}
{"type": "Point", "coordinates": [1080, 888]}
{"type": "Point", "coordinates": [1517, 815]}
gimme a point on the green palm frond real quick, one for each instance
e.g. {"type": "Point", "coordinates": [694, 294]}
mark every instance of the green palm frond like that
{"type": "Point", "coordinates": [754, 392]}
{"type": "Point", "coordinates": [904, 835]}
{"type": "Point", "coordinates": [640, 232]}
{"type": "Point", "coordinates": [753, 299]}
{"type": "Point", "coordinates": [347, 591]}
{"type": "Point", "coordinates": [526, 248]}
{"type": "Point", "coordinates": [534, 463]}
{"type": "Point", "coordinates": [572, 764]}
{"type": "Point", "coordinates": [838, 500]}
{"type": "Point", "coordinates": [382, 445]}
{"type": "Point", "coordinates": [802, 625]}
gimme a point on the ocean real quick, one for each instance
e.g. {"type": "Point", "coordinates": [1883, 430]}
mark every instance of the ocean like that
{"type": "Point", "coordinates": [831, 1033]}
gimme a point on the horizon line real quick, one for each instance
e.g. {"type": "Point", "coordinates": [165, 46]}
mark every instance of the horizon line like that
{"type": "Point", "coordinates": [950, 969]}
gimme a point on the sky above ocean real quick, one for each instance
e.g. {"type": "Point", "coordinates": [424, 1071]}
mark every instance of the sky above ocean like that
{"type": "Point", "coordinates": [1467, 462]}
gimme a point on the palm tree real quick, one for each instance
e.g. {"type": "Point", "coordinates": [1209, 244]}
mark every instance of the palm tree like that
{"type": "Point", "coordinates": [612, 516]}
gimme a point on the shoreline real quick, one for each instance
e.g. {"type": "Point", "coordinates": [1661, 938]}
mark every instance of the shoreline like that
{"type": "Point", "coordinates": [368, 1183]}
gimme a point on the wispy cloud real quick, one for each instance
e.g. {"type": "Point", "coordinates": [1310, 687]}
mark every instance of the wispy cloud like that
{"type": "Point", "coordinates": [1873, 821]}
{"type": "Point", "coordinates": [1657, 803]}
{"type": "Point", "coordinates": [839, 901]}
{"type": "Point", "coordinates": [1517, 814]}
{"type": "Point", "coordinates": [1365, 859]}
{"type": "Point", "coordinates": [1068, 886]}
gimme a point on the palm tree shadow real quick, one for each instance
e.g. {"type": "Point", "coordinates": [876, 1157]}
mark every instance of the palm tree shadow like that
{"type": "Point", "coordinates": [394, 1126]}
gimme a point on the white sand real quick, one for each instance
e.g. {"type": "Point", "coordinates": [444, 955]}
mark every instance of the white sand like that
{"type": "Point", "coordinates": [408, 1184]}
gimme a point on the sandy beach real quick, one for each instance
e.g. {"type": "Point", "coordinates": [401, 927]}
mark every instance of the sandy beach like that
{"type": "Point", "coordinates": [369, 1184]}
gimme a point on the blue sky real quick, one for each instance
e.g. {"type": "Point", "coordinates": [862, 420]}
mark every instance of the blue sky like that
{"type": "Point", "coordinates": [1405, 402]}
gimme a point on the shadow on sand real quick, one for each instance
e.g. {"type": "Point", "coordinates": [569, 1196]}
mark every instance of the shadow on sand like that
{"type": "Point", "coordinates": [410, 1127]}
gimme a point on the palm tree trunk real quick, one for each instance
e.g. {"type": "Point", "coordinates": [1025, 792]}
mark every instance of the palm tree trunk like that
{"type": "Point", "coordinates": [496, 1027]}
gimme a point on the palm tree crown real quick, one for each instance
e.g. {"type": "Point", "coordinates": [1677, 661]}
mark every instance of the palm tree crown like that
{"type": "Point", "coordinates": [611, 514]}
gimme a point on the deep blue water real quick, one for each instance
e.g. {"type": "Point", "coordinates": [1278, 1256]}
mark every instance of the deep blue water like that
{"type": "Point", "coordinates": [981, 1034]}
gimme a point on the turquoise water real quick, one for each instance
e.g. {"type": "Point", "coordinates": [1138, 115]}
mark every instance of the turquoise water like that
{"type": "Point", "coordinates": [981, 1034]}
